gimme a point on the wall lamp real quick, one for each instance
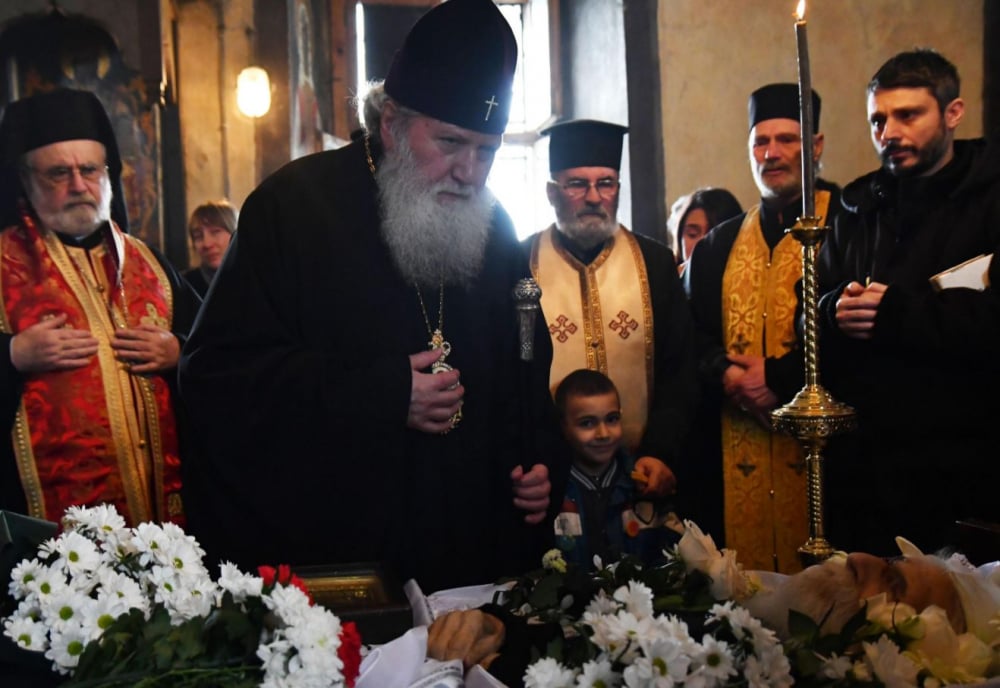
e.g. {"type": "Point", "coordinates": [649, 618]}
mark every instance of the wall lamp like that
{"type": "Point", "coordinates": [253, 92]}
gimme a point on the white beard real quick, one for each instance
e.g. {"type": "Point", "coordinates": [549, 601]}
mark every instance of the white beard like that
{"type": "Point", "coordinates": [429, 241]}
{"type": "Point", "coordinates": [827, 588]}
{"type": "Point", "coordinates": [590, 231]}
{"type": "Point", "coordinates": [79, 220]}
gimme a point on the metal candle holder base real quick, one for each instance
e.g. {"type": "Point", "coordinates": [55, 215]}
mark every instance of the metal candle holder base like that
{"type": "Point", "coordinates": [813, 415]}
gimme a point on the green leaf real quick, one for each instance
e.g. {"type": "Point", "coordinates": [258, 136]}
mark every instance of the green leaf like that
{"type": "Point", "coordinates": [802, 628]}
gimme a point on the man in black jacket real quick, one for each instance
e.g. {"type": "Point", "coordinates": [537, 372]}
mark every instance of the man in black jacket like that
{"type": "Point", "coordinates": [918, 363]}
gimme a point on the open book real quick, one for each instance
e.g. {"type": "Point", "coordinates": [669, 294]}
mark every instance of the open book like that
{"type": "Point", "coordinates": [972, 274]}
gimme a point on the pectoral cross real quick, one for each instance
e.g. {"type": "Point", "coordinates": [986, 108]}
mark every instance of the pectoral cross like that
{"type": "Point", "coordinates": [492, 102]}
{"type": "Point", "coordinates": [438, 342]}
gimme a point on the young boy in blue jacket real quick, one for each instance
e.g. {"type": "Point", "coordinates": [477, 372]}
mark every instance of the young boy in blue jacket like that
{"type": "Point", "coordinates": [602, 514]}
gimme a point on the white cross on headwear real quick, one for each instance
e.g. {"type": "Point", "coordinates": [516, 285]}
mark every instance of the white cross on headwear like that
{"type": "Point", "coordinates": [492, 102]}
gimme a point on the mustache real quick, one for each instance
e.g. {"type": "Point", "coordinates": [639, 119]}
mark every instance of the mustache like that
{"type": "Point", "coordinates": [896, 148]}
{"type": "Point", "coordinates": [771, 167]}
{"type": "Point", "coordinates": [454, 188]}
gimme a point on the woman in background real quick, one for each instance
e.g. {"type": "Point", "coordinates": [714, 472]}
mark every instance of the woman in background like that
{"type": "Point", "coordinates": [211, 227]}
{"type": "Point", "coordinates": [697, 213]}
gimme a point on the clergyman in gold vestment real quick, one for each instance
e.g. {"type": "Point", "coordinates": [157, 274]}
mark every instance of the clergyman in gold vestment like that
{"type": "Point", "coordinates": [742, 284]}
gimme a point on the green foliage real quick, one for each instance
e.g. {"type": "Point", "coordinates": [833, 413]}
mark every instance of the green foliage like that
{"type": "Point", "coordinates": [199, 653]}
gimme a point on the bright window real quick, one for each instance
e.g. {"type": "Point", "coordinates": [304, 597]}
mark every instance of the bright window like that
{"type": "Point", "coordinates": [522, 166]}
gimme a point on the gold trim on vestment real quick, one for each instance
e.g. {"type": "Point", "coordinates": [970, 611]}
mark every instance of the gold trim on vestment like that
{"type": "Point", "coordinates": [600, 317]}
{"type": "Point", "coordinates": [125, 409]}
{"type": "Point", "coordinates": [20, 436]}
{"type": "Point", "coordinates": [155, 443]}
{"type": "Point", "coordinates": [764, 481]}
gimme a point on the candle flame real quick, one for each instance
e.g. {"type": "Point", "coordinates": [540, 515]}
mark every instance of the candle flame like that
{"type": "Point", "coordinates": [800, 10]}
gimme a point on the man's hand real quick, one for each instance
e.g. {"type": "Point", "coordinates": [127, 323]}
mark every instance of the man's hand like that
{"type": "Point", "coordinates": [434, 397]}
{"type": "Point", "coordinates": [48, 345]}
{"type": "Point", "coordinates": [531, 492]}
{"type": "Point", "coordinates": [660, 480]}
{"type": "Point", "coordinates": [745, 385]}
{"type": "Point", "coordinates": [146, 348]}
{"type": "Point", "coordinates": [473, 636]}
{"type": "Point", "coordinates": [856, 309]}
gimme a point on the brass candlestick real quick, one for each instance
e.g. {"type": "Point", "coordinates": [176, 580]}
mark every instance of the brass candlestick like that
{"type": "Point", "coordinates": [813, 415]}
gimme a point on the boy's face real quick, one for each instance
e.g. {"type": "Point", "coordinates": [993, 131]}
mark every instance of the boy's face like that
{"type": "Point", "coordinates": [593, 427]}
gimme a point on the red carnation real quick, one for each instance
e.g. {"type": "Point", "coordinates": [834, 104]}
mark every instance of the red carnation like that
{"type": "Point", "coordinates": [349, 652]}
{"type": "Point", "coordinates": [269, 574]}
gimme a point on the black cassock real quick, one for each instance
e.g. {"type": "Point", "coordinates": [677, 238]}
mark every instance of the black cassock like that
{"type": "Point", "coordinates": [297, 380]}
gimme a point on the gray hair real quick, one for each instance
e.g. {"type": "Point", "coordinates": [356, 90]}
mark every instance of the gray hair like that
{"type": "Point", "coordinates": [371, 106]}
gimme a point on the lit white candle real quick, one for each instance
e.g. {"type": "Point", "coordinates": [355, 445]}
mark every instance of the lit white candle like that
{"type": "Point", "coordinates": [805, 112]}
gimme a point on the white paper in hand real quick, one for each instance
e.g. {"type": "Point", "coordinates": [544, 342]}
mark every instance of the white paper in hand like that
{"type": "Point", "coordinates": [972, 274]}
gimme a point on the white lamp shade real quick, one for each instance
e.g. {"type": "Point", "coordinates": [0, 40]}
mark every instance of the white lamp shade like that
{"type": "Point", "coordinates": [253, 92]}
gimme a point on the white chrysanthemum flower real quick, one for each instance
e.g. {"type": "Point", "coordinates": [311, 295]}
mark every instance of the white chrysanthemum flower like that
{"type": "Point", "coordinates": [289, 603]}
{"type": "Point", "coordinates": [65, 648]}
{"type": "Point", "coordinates": [672, 627]}
{"type": "Point", "coordinates": [625, 635]}
{"type": "Point", "coordinates": [28, 633]}
{"type": "Point", "coordinates": [637, 598]}
{"type": "Point", "coordinates": [834, 666]}
{"type": "Point", "coordinates": [166, 586]}
{"type": "Point", "coordinates": [715, 658]}
{"type": "Point", "coordinates": [21, 577]}
{"type": "Point", "coordinates": [184, 558]}
{"type": "Point", "coordinates": [548, 673]}
{"type": "Point", "coordinates": [598, 674]}
{"type": "Point", "coordinates": [103, 519]}
{"type": "Point", "coordinates": [123, 587]}
{"type": "Point", "coordinates": [889, 665]}
{"type": "Point", "coordinates": [668, 659]}
{"type": "Point", "coordinates": [191, 599]}
{"type": "Point", "coordinates": [77, 553]}
{"type": "Point", "coordinates": [274, 660]}
{"type": "Point", "coordinates": [150, 542]}
{"type": "Point", "coordinates": [240, 585]}
{"type": "Point", "coordinates": [65, 609]}
{"type": "Point", "coordinates": [602, 604]}
{"type": "Point", "coordinates": [316, 641]}
{"type": "Point", "coordinates": [47, 582]}
{"type": "Point", "coordinates": [102, 613]}
{"type": "Point", "coordinates": [775, 665]}
{"type": "Point", "coordinates": [754, 673]}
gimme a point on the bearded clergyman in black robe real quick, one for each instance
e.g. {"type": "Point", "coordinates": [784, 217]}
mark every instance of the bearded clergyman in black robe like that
{"type": "Point", "coordinates": [355, 373]}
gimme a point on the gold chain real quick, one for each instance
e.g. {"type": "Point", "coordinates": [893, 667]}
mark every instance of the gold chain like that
{"type": "Point", "coordinates": [437, 342]}
{"type": "Point", "coordinates": [368, 155]}
{"type": "Point", "coordinates": [423, 309]}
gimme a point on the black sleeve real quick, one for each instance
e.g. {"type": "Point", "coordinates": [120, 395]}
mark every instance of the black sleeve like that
{"type": "Point", "coordinates": [674, 396]}
{"type": "Point", "coordinates": [523, 644]}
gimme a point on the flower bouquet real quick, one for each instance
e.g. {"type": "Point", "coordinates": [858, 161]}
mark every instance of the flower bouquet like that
{"type": "Point", "coordinates": [117, 606]}
{"type": "Point", "coordinates": [616, 629]}
{"type": "Point", "coordinates": [640, 626]}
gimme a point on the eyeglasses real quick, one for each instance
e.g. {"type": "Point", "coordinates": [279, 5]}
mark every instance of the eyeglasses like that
{"type": "Point", "coordinates": [578, 188]}
{"type": "Point", "coordinates": [60, 175]}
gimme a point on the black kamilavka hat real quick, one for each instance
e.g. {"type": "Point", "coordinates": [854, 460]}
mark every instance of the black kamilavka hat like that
{"type": "Point", "coordinates": [584, 143]}
{"type": "Point", "coordinates": [779, 101]}
{"type": "Point", "coordinates": [45, 118]}
{"type": "Point", "coordinates": [457, 65]}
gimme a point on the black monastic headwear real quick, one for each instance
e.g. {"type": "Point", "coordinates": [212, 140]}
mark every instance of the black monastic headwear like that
{"type": "Point", "coordinates": [584, 143]}
{"type": "Point", "coordinates": [457, 65]}
{"type": "Point", "coordinates": [779, 101]}
{"type": "Point", "coordinates": [39, 120]}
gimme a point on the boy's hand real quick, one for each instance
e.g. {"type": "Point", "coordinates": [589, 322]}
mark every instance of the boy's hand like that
{"type": "Point", "coordinates": [654, 479]}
